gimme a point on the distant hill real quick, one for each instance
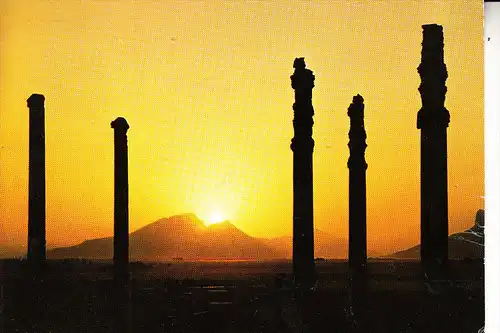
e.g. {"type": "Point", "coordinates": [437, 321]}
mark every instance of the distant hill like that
{"type": "Point", "coordinates": [7, 251]}
{"type": "Point", "coordinates": [186, 236]}
{"type": "Point", "coordinates": [181, 236]}
{"type": "Point", "coordinates": [468, 244]}
{"type": "Point", "coordinates": [325, 245]}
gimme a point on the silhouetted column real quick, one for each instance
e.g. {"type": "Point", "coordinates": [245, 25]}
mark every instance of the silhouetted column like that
{"type": "Point", "coordinates": [302, 146]}
{"type": "Point", "coordinates": [36, 182]}
{"type": "Point", "coordinates": [357, 184]}
{"type": "Point", "coordinates": [433, 120]}
{"type": "Point", "coordinates": [120, 240]}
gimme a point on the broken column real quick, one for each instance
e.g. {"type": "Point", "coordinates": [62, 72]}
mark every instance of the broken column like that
{"type": "Point", "coordinates": [357, 184]}
{"type": "Point", "coordinates": [302, 146]}
{"type": "Point", "coordinates": [433, 119]}
{"type": "Point", "coordinates": [120, 239]}
{"type": "Point", "coordinates": [36, 182]}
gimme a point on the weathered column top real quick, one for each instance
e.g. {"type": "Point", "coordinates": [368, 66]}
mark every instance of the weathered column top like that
{"type": "Point", "coordinates": [432, 49]}
{"type": "Point", "coordinates": [433, 35]}
{"type": "Point", "coordinates": [35, 100]}
{"type": "Point", "coordinates": [357, 107]}
{"type": "Point", "coordinates": [302, 78]}
{"type": "Point", "coordinates": [120, 124]}
{"type": "Point", "coordinates": [433, 74]}
{"type": "Point", "coordinates": [433, 26]}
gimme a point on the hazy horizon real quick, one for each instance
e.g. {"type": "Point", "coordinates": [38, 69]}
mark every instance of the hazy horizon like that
{"type": "Point", "coordinates": [342, 246]}
{"type": "Point", "coordinates": [205, 87]}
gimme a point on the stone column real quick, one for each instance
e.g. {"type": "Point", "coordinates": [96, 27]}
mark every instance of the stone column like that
{"type": "Point", "coordinates": [36, 182]}
{"type": "Point", "coordinates": [33, 299]}
{"type": "Point", "coordinates": [357, 184]}
{"type": "Point", "coordinates": [302, 146]}
{"type": "Point", "coordinates": [433, 120]}
{"type": "Point", "coordinates": [120, 239]}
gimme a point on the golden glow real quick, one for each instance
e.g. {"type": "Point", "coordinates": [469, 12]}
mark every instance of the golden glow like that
{"type": "Point", "coordinates": [205, 87]}
{"type": "Point", "coordinates": [215, 217]}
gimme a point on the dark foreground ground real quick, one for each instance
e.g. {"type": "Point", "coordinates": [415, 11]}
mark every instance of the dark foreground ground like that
{"type": "Point", "coordinates": [393, 296]}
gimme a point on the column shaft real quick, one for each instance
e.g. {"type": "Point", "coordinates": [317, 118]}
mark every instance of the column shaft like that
{"type": "Point", "coordinates": [302, 146]}
{"type": "Point", "coordinates": [433, 119]}
{"type": "Point", "coordinates": [36, 182]}
{"type": "Point", "coordinates": [357, 185]}
{"type": "Point", "coordinates": [121, 221]}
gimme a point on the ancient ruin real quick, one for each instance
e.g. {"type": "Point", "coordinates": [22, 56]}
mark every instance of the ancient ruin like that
{"type": "Point", "coordinates": [433, 119]}
{"type": "Point", "coordinates": [120, 239]}
{"type": "Point", "coordinates": [357, 184]}
{"type": "Point", "coordinates": [302, 146]}
{"type": "Point", "coordinates": [36, 201]}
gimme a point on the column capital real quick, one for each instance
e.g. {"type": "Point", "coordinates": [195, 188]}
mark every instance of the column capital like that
{"type": "Point", "coordinates": [432, 26]}
{"type": "Point", "coordinates": [357, 134]}
{"type": "Point", "coordinates": [35, 100]}
{"type": "Point", "coordinates": [433, 75]}
{"type": "Point", "coordinates": [357, 107]}
{"type": "Point", "coordinates": [120, 124]}
{"type": "Point", "coordinates": [302, 78]}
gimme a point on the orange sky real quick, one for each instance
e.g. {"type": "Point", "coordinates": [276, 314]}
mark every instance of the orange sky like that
{"type": "Point", "coordinates": [205, 88]}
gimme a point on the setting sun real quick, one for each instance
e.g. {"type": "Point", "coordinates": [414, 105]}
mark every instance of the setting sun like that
{"type": "Point", "coordinates": [218, 165]}
{"type": "Point", "coordinates": [211, 114]}
{"type": "Point", "coordinates": [215, 217]}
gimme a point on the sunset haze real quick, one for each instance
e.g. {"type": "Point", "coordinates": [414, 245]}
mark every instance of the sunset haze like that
{"type": "Point", "coordinates": [205, 87]}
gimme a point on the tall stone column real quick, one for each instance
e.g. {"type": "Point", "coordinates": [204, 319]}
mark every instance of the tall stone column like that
{"type": "Point", "coordinates": [433, 119]}
{"type": "Point", "coordinates": [302, 146]}
{"type": "Point", "coordinates": [357, 184]}
{"type": "Point", "coordinates": [36, 182]}
{"type": "Point", "coordinates": [120, 239]}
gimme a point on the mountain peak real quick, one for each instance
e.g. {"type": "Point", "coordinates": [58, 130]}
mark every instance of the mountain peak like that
{"type": "Point", "coordinates": [186, 218]}
{"type": "Point", "coordinates": [479, 221]}
{"type": "Point", "coordinates": [225, 226]}
{"type": "Point", "coordinates": [179, 236]}
{"type": "Point", "coordinates": [466, 244]}
{"type": "Point", "coordinates": [222, 225]}
{"type": "Point", "coordinates": [167, 226]}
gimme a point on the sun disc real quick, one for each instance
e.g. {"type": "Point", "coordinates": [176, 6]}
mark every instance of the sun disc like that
{"type": "Point", "coordinates": [216, 217]}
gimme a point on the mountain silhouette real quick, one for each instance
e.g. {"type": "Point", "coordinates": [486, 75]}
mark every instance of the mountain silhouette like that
{"type": "Point", "coordinates": [325, 245]}
{"type": "Point", "coordinates": [181, 236]}
{"type": "Point", "coordinates": [468, 244]}
{"type": "Point", "coordinates": [12, 251]}
{"type": "Point", "coordinates": [186, 236]}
